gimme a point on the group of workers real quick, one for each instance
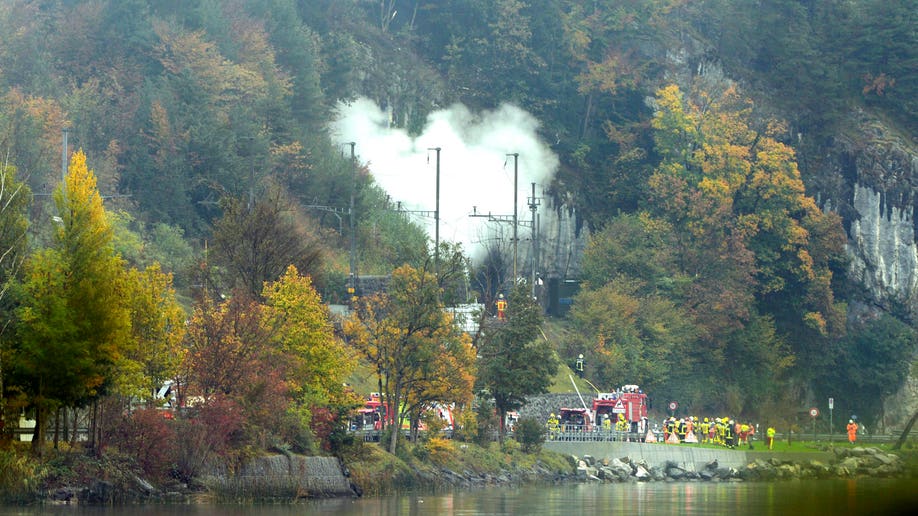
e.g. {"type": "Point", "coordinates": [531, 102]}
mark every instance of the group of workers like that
{"type": "Point", "coordinates": [723, 431]}
{"type": "Point", "coordinates": [574, 422]}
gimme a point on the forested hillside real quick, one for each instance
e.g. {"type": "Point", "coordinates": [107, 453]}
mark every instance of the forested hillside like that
{"type": "Point", "coordinates": [712, 275]}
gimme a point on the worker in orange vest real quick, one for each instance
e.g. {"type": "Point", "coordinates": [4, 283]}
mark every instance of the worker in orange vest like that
{"type": "Point", "coordinates": [852, 431]}
{"type": "Point", "coordinates": [501, 308]}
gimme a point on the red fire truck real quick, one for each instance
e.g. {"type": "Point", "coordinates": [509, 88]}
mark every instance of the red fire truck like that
{"type": "Point", "coordinates": [629, 401]}
{"type": "Point", "coordinates": [371, 416]}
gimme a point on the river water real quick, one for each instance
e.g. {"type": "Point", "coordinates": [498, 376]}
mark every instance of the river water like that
{"type": "Point", "coordinates": [833, 497]}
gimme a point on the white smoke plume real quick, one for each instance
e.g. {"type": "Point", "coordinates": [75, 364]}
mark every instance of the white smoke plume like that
{"type": "Point", "coordinates": [475, 169]}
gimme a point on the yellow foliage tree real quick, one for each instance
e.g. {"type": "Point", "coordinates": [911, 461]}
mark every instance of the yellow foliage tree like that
{"type": "Point", "coordinates": [416, 349]}
{"type": "Point", "coordinates": [298, 322]}
{"type": "Point", "coordinates": [75, 323]}
{"type": "Point", "coordinates": [155, 351]}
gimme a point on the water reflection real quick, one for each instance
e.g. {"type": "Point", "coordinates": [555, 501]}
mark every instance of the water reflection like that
{"type": "Point", "coordinates": [862, 497]}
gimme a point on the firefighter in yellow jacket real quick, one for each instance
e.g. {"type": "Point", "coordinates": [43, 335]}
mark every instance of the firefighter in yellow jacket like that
{"type": "Point", "coordinates": [501, 305]}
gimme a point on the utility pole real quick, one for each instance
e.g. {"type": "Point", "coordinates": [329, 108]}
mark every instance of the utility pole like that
{"type": "Point", "coordinates": [353, 286]}
{"type": "Point", "coordinates": [533, 206]}
{"type": "Point", "coordinates": [516, 156]}
{"type": "Point", "coordinates": [437, 220]}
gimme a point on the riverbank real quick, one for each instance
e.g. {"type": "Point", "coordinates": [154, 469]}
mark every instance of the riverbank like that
{"type": "Point", "coordinates": [366, 469]}
{"type": "Point", "coordinates": [446, 464]}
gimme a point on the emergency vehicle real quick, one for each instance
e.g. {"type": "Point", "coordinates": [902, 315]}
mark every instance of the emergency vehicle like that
{"type": "Point", "coordinates": [371, 416]}
{"type": "Point", "coordinates": [575, 420]}
{"type": "Point", "coordinates": [629, 401]}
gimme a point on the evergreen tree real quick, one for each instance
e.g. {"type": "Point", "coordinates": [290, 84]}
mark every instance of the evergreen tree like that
{"type": "Point", "coordinates": [515, 360]}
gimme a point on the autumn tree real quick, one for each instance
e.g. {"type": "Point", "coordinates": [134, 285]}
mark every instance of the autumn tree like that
{"type": "Point", "coordinates": [154, 352]}
{"type": "Point", "coordinates": [746, 232]}
{"type": "Point", "coordinates": [630, 336]}
{"type": "Point", "coordinates": [230, 367]}
{"type": "Point", "coordinates": [273, 361]}
{"type": "Point", "coordinates": [408, 338]}
{"type": "Point", "coordinates": [74, 321]}
{"type": "Point", "coordinates": [515, 360]}
{"type": "Point", "coordinates": [255, 242]}
{"type": "Point", "coordinates": [298, 326]}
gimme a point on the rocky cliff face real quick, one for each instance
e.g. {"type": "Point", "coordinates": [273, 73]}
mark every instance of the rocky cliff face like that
{"type": "Point", "coordinates": [879, 169]}
{"type": "Point", "coordinates": [870, 177]}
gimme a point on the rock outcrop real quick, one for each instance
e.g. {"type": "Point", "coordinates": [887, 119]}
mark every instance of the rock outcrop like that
{"type": "Point", "coordinates": [846, 463]}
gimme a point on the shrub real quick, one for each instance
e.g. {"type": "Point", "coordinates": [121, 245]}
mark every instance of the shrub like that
{"type": "Point", "coordinates": [441, 451]}
{"type": "Point", "coordinates": [147, 435]}
{"type": "Point", "coordinates": [466, 428]}
{"type": "Point", "coordinates": [213, 429]}
{"type": "Point", "coordinates": [18, 477]}
{"type": "Point", "coordinates": [324, 423]}
{"type": "Point", "coordinates": [510, 446]}
{"type": "Point", "coordinates": [296, 431]}
{"type": "Point", "coordinates": [530, 434]}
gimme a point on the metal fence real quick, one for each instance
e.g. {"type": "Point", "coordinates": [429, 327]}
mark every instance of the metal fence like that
{"type": "Point", "coordinates": [595, 435]}
{"type": "Point", "coordinates": [600, 435]}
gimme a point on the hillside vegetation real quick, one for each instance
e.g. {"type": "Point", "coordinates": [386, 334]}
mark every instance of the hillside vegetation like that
{"type": "Point", "coordinates": [204, 215]}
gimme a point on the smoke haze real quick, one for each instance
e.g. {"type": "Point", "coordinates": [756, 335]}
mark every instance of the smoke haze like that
{"type": "Point", "coordinates": [474, 167]}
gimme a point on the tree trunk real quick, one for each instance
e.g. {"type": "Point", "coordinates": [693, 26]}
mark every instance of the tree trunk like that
{"type": "Point", "coordinates": [38, 435]}
{"type": "Point", "coordinates": [908, 430]}
{"type": "Point", "coordinates": [393, 436]}
{"type": "Point", "coordinates": [73, 436]}
{"type": "Point", "coordinates": [65, 425]}
{"type": "Point", "coordinates": [393, 405]}
{"type": "Point", "coordinates": [382, 403]}
{"type": "Point", "coordinates": [4, 431]}
{"type": "Point", "coordinates": [415, 425]}
{"type": "Point", "coordinates": [57, 428]}
{"type": "Point", "coordinates": [92, 426]}
{"type": "Point", "coordinates": [100, 427]}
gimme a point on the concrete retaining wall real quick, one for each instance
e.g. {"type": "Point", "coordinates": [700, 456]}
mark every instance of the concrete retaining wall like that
{"type": "Point", "coordinates": [281, 476]}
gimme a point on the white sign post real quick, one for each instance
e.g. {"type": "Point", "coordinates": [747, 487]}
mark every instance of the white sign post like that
{"type": "Point", "coordinates": [831, 406]}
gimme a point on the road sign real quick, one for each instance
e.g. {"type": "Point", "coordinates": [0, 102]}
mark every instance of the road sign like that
{"type": "Point", "coordinates": [814, 412]}
{"type": "Point", "coordinates": [619, 408]}
{"type": "Point", "coordinates": [673, 405]}
{"type": "Point", "coordinates": [831, 403]}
